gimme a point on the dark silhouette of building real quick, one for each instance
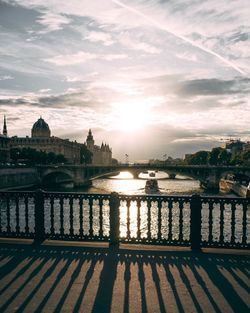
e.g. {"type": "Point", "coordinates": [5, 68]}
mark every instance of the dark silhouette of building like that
{"type": "Point", "coordinates": [100, 154]}
{"type": "Point", "coordinates": [4, 144]}
{"type": "Point", "coordinates": [42, 140]}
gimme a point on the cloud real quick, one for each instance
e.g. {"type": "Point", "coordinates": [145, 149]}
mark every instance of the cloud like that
{"type": "Point", "coordinates": [82, 57]}
{"type": "Point", "coordinates": [6, 77]}
{"type": "Point", "coordinates": [131, 42]}
{"type": "Point", "coordinates": [45, 90]}
{"type": "Point", "coordinates": [208, 87]}
{"type": "Point", "coordinates": [173, 32]}
{"type": "Point", "coordinates": [99, 36]}
{"type": "Point", "coordinates": [52, 21]}
{"type": "Point", "coordinates": [183, 86]}
{"type": "Point", "coordinates": [72, 61]}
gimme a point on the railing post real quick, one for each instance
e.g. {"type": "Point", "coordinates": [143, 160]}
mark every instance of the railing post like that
{"type": "Point", "coordinates": [195, 227]}
{"type": "Point", "coordinates": [114, 219]}
{"type": "Point", "coordinates": [39, 217]}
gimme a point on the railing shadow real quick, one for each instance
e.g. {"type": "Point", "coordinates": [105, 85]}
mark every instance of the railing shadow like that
{"type": "Point", "coordinates": [56, 279]}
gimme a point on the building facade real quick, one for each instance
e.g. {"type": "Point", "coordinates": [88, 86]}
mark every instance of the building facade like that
{"type": "Point", "coordinates": [236, 146]}
{"type": "Point", "coordinates": [4, 144]}
{"type": "Point", "coordinates": [42, 140]}
{"type": "Point", "coordinates": [101, 155]}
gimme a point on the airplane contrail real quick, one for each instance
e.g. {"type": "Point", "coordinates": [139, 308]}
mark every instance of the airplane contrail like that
{"type": "Point", "coordinates": [191, 42]}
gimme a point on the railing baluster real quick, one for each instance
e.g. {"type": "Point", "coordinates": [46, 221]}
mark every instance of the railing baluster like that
{"type": "Point", "coordinates": [128, 219]}
{"type": "Point", "coordinates": [149, 220]}
{"type": "Point", "coordinates": [17, 214]}
{"type": "Point", "coordinates": [138, 204]}
{"type": "Point", "coordinates": [222, 207]}
{"type": "Point", "coordinates": [39, 217]}
{"type": "Point", "coordinates": [0, 218]}
{"type": "Point", "coordinates": [91, 217]}
{"type": "Point", "coordinates": [101, 218]}
{"type": "Point", "coordinates": [159, 207]}
{"type": "Point", "coordinates": [52, 216]}
{"type": "Point", "coordinates": [181, 221]}
{"type": "Point", "coordinates": [170, 217]}
{"type": "Point", "coordinates": [71, 217]}
{"type": "Point", "coordinates": [244, 224]}
{"type": "Point", "coordinates": [61, 216]}
{"type": "Point", "coordinates": [233, 208]}
{"type": "Point", "coordinates": [81, 217]}
{"type": "Point", "coordinates": [26, 203]}
{"type": "Point", "coordinates": [8, 213]}
{"type": "Point", "coordinates": [210, 222]}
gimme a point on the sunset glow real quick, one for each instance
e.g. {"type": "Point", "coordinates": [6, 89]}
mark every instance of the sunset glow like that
{"type": "Point", "coordinates": [132, 115]}
{"type": "Point", "coordinates": [150, 77]}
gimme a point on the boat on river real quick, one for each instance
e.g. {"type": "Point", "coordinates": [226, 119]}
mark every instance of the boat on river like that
{"type": "Point", "coordinates": [240, 188]}
{"type": "Point", "coordinates": [151, 186]}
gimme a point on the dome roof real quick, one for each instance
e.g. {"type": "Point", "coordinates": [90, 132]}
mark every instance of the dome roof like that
{"type": "Point", "coordinates": [40, 129]}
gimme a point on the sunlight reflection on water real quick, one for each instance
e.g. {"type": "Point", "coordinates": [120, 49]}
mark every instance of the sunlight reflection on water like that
{"type": "Point", "coordinates": [137, 186]}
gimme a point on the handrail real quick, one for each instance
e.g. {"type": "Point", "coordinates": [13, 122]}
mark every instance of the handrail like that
{"type": "Point", "coordinates": [195, 221]}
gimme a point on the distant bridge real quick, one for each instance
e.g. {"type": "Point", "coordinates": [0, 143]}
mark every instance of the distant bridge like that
{"type": "Point", "coordinates": [209, 176]}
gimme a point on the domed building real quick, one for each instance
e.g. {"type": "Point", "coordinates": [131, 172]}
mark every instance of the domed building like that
{"type": "Point", "coordinates": [40, 129]}
{"type": "Point", "coordinates": [42, 140]}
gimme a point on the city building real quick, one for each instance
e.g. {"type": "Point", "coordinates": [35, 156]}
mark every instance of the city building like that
{"type": "Point", "coordinates": [42, 140]}
{"type": "Point", "coordinates": [233, 146]}
{"type": "Point", "coordinates": [101, 155]}
{"type": "Point", "coordinates": [4, 144]}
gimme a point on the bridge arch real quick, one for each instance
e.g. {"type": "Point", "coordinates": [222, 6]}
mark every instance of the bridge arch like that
{"type": "Point", "coordinates": [51, 177]}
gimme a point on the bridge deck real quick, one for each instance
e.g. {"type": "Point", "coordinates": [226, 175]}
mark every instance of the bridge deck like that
{"type": "Point", "coordinates": [97, 279]}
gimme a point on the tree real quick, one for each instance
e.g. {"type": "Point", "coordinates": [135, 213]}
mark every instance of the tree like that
{"type": "Point", "coordinates": [114, 161]}
{"type": "Point", "coordinates": [224, 157]}
{"type": "Point", "coordinates": [198, 158]}
{"type": "Point", "coordinates": [242, 158]}
{"type": "Point", "coordinates": [32, 156]}
{"type": "Point", "coordinates": [214, 156]}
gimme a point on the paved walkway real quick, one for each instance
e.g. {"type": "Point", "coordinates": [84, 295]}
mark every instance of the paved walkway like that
{"type": "Point", "coordinates": [53, 278]}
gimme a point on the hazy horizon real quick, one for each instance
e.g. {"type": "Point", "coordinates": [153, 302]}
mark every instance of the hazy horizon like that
{"type": "Point", "coordinates": [149, 77]}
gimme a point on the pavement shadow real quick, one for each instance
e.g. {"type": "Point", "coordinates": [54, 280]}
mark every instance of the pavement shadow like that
{"type": "Point", "coordinates": [68, 279]}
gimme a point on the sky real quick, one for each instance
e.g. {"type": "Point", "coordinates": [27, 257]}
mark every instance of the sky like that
{"type": "Point", "coordinates": [152, 78]}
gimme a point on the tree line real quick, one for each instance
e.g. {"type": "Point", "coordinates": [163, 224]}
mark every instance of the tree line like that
{"type": "Point", "coordinates": [218, 156]}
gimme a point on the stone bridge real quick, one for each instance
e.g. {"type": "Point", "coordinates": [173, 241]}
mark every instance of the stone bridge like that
{"type": "Point", "coordinates": [80, 175]}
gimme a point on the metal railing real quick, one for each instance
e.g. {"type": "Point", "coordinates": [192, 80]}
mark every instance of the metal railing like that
{"type": "Point", "coordinates": [149, 219]}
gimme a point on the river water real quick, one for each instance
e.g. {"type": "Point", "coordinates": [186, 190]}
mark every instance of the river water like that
{"type": "Point", "coordinates": [125, 184]}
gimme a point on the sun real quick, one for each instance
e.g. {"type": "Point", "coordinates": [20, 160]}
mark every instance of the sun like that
{"type": "Point", "coordinates": [132, 115]}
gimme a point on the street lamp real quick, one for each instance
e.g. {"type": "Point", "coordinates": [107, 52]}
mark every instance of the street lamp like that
{"type": "Point", "coordinates": [126, 158]}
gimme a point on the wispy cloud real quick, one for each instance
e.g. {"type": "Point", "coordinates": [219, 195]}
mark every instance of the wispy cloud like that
{"type": "Point", "coordinates": [6, 77]}
{"type": "Point", "coordinates": [52, 21]}
{"type": "Point", "coordinates": [81, 57]}
{"type": "Point", "coordinates": [99, 36]}
{"type": "Point", "coordinates": [196, 44]}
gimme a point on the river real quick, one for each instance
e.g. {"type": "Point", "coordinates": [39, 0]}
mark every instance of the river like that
{"type": "Point", "coordinates": [124, 183]}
